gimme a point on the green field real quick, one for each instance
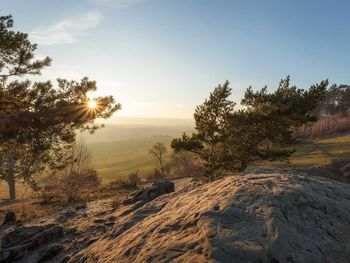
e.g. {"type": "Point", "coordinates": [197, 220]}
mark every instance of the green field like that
{"type": "Point", "coordinates": [317, 152]}
{"type": "Point", "coordinates": [322, 151]}
{"type": "Point", "coordinates": [114, 160]}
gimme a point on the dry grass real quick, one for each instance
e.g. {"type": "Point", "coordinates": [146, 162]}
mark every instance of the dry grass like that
{"type": "Point", "coordinates": [321, 151]}
{"type": "Point", "coordinates": [325, 126]}
{"type": "Point", "coordinates": [29, 209]}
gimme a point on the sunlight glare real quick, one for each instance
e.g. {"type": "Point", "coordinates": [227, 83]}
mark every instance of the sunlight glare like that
{"type": "Point", "coordinates": [92, 104]}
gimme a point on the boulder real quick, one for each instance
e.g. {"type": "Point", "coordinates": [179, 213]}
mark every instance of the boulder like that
{"type": "Point", "coordinates": [22, 240]}
{"type": "Point", "coordinates": [10, 217]}
{"type": "Point", "coordinates": [346, 170]}
{"type": "Point", "coordinates": [276, 217]}
{"type": "Point", "coordinates": [48, 252]}
{"type": "Point", "coordinates": [151, 192]}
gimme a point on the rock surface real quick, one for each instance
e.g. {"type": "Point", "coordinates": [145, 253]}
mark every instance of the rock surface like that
{"type": "Point", "coordinates": [256, 218]}
{"type": "Point", "coordinates": [151, 192]}
{"type": "Point", "coordinates": [22, 240]}
{"type": "Point", "coordinates": [10, 217]}
{"type": "Point", "coordinates": [267, 217]}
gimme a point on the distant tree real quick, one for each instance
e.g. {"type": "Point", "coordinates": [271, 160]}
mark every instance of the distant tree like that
{"type": "Point", "coordinates": [37, 120]}
{"type": "Point", "coordinates": [337, 101]}
{"type": "Point", "coordinates": [158, 151]}
{"type": "Point", "coordinates": [77, 179]}
{"type": "Point", "coordinates": [228, 140]}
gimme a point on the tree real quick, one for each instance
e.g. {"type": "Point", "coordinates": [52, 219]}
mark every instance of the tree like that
{"type": "Point", "coordinates": [37, 120]}
{"type": "Point", "coordinates": [211, 119]}
{"type": "Point", "coordinates": [337, 101]}
{"type": "Point", "coordinates": [77, 179]}
{"type": "Point", "coordinates": [228, 140]}
{"type": "Point", "coordinates": [158, 150]}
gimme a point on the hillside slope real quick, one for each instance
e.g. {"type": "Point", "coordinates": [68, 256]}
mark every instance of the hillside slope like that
{"type": "Point", "coordinates": [115, 160]}
{"type": "Point", "coordinates": [255, 218]}
{"type": "Point", "coordinates": [274, 217]}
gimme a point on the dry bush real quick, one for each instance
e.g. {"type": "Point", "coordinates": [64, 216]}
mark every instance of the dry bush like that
{"type": "Point", "coordinates": [117, 190]}
{"type": "Point", "coordinates": [154, 176]}
{"type": "Point", "coordinates": [134, 178]}
{"type": "Point", "coordinates": [77, 180]}
{"type": "Point", "coordinates": [71, 186]}
{"type": "Point", "coordinates": [325, 126]}
{"type": "Point", "coordinates": [185, 164]}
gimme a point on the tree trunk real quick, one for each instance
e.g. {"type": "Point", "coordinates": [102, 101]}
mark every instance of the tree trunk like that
{"type": "Point", "coordinates": [11, 161]}
{"type": "Point", "coordinates": [12, 185]}
{"type": "Point", "coordinates": [244, 165]}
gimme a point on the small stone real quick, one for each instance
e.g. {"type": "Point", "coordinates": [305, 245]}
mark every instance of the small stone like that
{"type": "Point", "coordinates": [99, 221]}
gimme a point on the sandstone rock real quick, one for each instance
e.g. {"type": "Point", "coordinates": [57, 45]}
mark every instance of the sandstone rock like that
{"type": "Point", "coordinates": [66, 215]}
{"type": "Point", "coordinates": [49, 252]}
{"type": "Point", "coordinates": [150, 192]}
{"type": "Point", "coordinates": [81, 206]}
{"type": "Point", "coordinates": [10, 217]}
{"type": "Point", "coordinates": [99, 221]}
{"type": "Point", "coordinates": [22, 240]}
{"type": "Point", "coordinates": [346, 170]}
{"type": "Point", "coordinates": [255, 218]}
{"type": "Point", "coordinates": [22, 234]}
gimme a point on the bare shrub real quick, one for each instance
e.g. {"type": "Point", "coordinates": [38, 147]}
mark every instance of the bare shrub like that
{"type": "Point", "coordinates": [154, 176]}
{"type": "Point", "coordinates": [134, 178]}
{"type": "Point", "coordinates": [185, 164]}
{"type": "Point", "coordinates": [77, 180]}
{"type": "Point", "coordinates": [325, 126]}
{"type": "Point", "coordinates": [158, 151]}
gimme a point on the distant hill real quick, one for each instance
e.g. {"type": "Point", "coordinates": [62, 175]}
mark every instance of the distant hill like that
{"type": "Point", "coordinates": [122, 148]}
{"type": "Point", "coordinates": [137, 128]}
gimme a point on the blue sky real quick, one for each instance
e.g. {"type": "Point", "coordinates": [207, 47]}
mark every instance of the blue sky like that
{"type": "Point", "coordinates": [160, 58]}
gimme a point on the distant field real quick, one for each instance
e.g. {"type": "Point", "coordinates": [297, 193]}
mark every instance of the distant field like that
{"type": "Point", "coordinates": [322, 151]}
{"type": "Point", "coordinates": [117, 159]}
{"type": "Point", "coordinates": [114, 160]}
{"type": "Point", "coordinates": [317, 152]}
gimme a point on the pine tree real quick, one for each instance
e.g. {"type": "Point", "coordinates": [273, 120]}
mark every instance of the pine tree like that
{"type": "Point", "coordinates": [37, 120]}
{"type": "Point", "coordinates": [227, 139]}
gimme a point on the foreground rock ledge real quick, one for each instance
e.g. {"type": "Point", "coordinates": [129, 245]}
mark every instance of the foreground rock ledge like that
{"type": "Point", "coordinates": [255, 218]}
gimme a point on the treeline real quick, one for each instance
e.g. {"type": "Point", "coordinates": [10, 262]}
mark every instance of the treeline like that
{"type": "Point", "coordinates": [333, 114]}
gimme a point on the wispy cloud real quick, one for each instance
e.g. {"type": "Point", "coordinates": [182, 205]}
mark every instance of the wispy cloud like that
{"type": "Point", "coordinates": [115, 3]}
{"type": "Point", "coordinates": [67, 30]}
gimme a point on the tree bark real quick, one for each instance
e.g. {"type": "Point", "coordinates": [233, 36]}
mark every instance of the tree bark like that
{"type": "Point", "coordinates": [12, 186]}
{"type": "Point", "coordinates": [244, 165]}
{"type": "Point", "coordinates": [11, 161]}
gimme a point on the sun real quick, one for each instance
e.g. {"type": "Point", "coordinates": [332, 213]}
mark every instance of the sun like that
{"type": "Point", "coordinates": [92, 104]}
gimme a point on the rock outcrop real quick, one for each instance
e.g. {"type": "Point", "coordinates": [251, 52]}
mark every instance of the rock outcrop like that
{"type": "Point", "coordinates": [23, 240]}
{"type": "Point", "coordinates": [267, 217]}
{"type": "Point", "coordinates": [151, 192]}
{"type": "Point", "coordinates": [255, 218]}
{"type": "Point", "coordinates": [10, 218]}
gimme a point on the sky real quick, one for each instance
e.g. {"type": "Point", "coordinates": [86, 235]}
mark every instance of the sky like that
{"type": "Point", "coordinates": [161, 58]}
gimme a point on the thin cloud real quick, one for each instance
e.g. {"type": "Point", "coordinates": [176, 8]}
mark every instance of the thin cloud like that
{"type": "Point", "coordinates": [115, 3]}
{"type": "Point", "coordinates": [66, 31]}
